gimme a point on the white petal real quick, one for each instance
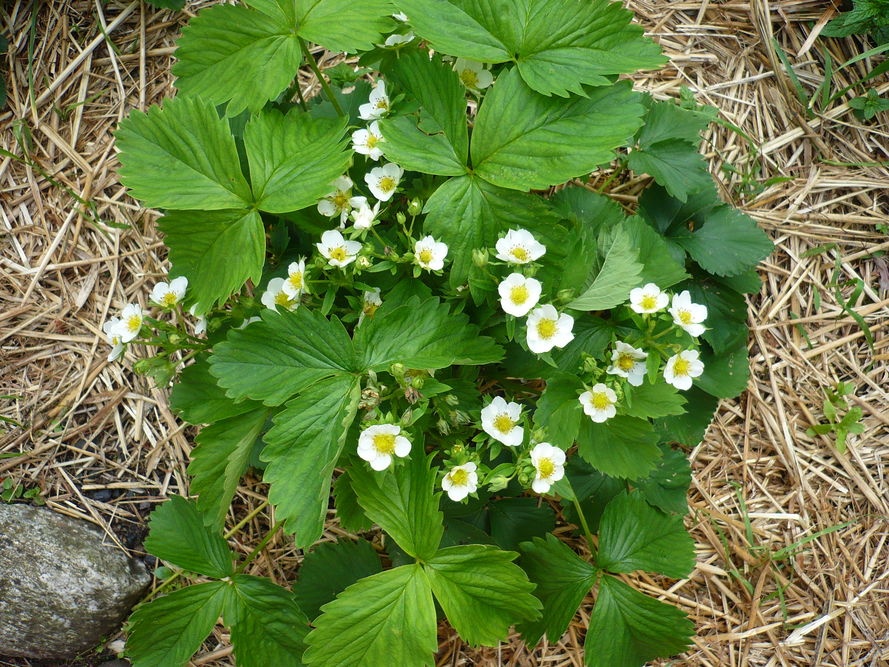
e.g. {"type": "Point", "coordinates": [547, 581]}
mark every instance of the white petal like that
{"type": "Point", "coordinates": [402, 446]}
{"type": "Point", "coordinates": [381, 462]}
{"type": "Point", "coordinates": [540, 486]}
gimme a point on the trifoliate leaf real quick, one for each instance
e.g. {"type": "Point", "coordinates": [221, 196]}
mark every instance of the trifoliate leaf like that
{"type": "Point", "coordinates": [348, 511]}
{"type": "Point", "coordinates": [201, 243]}
{"type": "Point", "coordinates": [621, 447]}
{"type": "Point", "coordinates": [653, 400]}
{"type": "Point", "coordinates": [689, 429]}
{"type": "Point", "coordinates": [557, 44]}
{"type": "Point", "coordinates": [467, 213]}
{"type": "Point", "coordinates": [725, 375]}
{"type": "Point", "coordinates": [726, 314]}
{"type": "Point", "coordinates": [181, 157]}
{"type": "Point", "coordinates": [199, 400]}
{"type": "Point", "coordinates": [403, 503]}
{"type": "Point", "coordinates": [177, 534]}
{"type": "Point", "coordinates": [220, 459]}
{"type": "Point", "coordinates": [667, 486]}
{"type": "Point", "coordinates": [559, 411]}
{"type": "Point", "coordinates": [667, 120]}
{"type": "Point", "coordinates": [633, 535]}
{"type": "Point", "coordinates": [628, 629]}
{"type": "Point", "coordinates": [422, 333]}
{"type": "Point", "coordinates": [329, 569]}
{"type": "Point", "coordinates": [563, 580]}
{"type": "Point", "coordinates": [675, 164]}
{"type": "Point", "coordinates": [293, 158]}
{"type": "Point", "coordinates": [481, 591]}
{"type": "Point", "coordinates": [619, 274]}
{"type": "Point", "coordinates": [385, 619]}
{"type": "Point", "coordinates": [727, 243]}
{"type": "Point", "coordinates": [435, 141]}
{"type": "Point", "coordinates": [669, 215]}
{"type": "Point", "coordinates": [167, 631]}
{"type": "Point", "coordinates": [658, 264]}
{"type": "Point", "coordinates": [302, 449]}
{"type": "Point", "coordinates": [515, 520]}
{"type": "Point", "coordinates": [286, 352]}
{"type": "Point", "coordinates": [267, 625]}
{"type": "Point", "coordinates": [523, 140]}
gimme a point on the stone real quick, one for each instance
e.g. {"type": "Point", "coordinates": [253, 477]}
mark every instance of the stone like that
{"type": "Point", "coordinates": [63, 587]}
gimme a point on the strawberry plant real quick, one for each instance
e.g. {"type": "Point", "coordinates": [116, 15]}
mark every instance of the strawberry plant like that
{"type": "Point", "coordinates": [400, 318]}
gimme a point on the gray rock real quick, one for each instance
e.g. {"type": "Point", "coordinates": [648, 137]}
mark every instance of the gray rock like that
{"type": "Point", "coordinates": [63, 587]}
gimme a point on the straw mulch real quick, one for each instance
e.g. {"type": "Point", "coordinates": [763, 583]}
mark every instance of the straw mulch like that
{"type": "Point", "coordinates": [103, 445]}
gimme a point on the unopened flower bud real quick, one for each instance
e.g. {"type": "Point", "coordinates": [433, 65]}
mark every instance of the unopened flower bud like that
{"type": "Point", "coordinates": [480, 257]}
{"type": "Point", "coordinates": [415, 207]}
{"type": "Point", "coordinates": [401, 218]}
{"type": "Point", "coordinates": [565, 295]}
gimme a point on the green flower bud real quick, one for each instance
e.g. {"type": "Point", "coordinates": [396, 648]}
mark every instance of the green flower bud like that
{"type": "Point", "coordinates": [480, 257]}
{"type": "Point", "coordinates": [401, 218]}
{"type": "Point", "coordinates": [565, 295]}
{"type": "Point", "coordinates": [415, 207]}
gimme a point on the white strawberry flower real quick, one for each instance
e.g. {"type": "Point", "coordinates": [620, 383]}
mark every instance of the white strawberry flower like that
{"type": "Point", "coordinates": [111, 329]}
{"type": "Point", "coordinates": [382, 181]}
{"type": "Point", "coordinates": [549, 462]}
{"type": "Point", "coordinates": [648, 299]}
{"type": "Point", "coordinates": [500, 420]}
{"type": "Point", "coordinates": [370, 301]}
{"type": "Point", "coordinates": [377, 444]}
{"type": "Point", "coordinates": [363, 215]}
{"type": "Point", "coordinates": [169, 294]}
{"type": "Point", "coordinates": [688, 315]}
{"type": "Point", "coordinates": [598, 403]}
{"type": "Point", "coordinates": [130, 323]}
{"type": "Point", "coordinates": [430, 254]}
{"type": "Point", "coordinates": [628, 362]}
{"type": "Point", "coordinates": [460, 481]}
{"type": "Point", "coordinates": [377, 105]}
{"type": "Point", "coordinates": [682, 367]}
{"type": "Point", "coordinates": [276, 294]}
{"type": "Point", "coordinates": [397, 40]}
{"type": "Point", "coordinates": [367, 142]}
{"type": "Point", "coordinates": [295, 283]}
{"type": "Point", "coordinates": [547, 329]}
{"type": "Point", "coordinates": [519, 294]}
{"type": "Point", "coordinates": [473, 74]}
{"type": "Point", "coordinates": [338, 251]}
{"type": "Point", "coordinates": [201, 325]}
{"type": "Point", "coordinates": [519, 247]}
{"type": "Point", "coordinates": [336, 202]}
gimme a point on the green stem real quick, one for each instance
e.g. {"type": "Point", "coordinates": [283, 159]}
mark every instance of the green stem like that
{"type": "Point", "coordinates": [614, 174]}
{"type": "Point", "coordinates": [585, 526]}
{"type": "Point", "coordinates": [324, 85]}
{"type": "Point", "coordinates": [259, 547]}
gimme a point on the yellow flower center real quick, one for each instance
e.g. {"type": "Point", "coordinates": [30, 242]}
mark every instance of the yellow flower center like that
{"type": "Point", "coordinates": [681, 366]}
{"type": "Point", "coordinates": [459, 477]}
{"type": "Point", "coordinates": [546, 328]}
{"type": "Point", "coordinates": [338, 253]}
{"type": "Point", "coordinates": [518, 294]}
{"type": "Point", "coordinates": [648, 302]}
{"type": "Point", "coordinates": [503, 423]}
{"type": "Point", "coordinates": [115, 340]}
{"type": "Point", "coordinates": [625, 362]}
{"type": "Point", "coordinates": [296, 279]}
{"type": "Point", "coordinates": [369, 309]}
{"type": "Point", "coordinates": [134, 323]}
{"type": "Point", "coordinates": [545, 467]}
{"type": "Point", "coordinates": [425, 256]}
{"type": "Point", "coordinates": [384, 443]}
{"type": "Point", "coordinates": [520, 254]}
{"type": "Point", "coordinates": [169, 299]}
{"type": "Point", "coordinates": [282, 299]}
{"type": "Point", "coordinates": [600, 400]}
{"type": "Point", "coordinates": [382, 103]}
{"type": "Point", "coordinates": [685, 316]}
{"type": "Point", "coordinates": [372, 141]}
{"type": "Point", "coordinates": [469, 78]}
{"type": "Point", "coordinates": [341, 200]}
{"type": "Point", "coordinates": [387, 184]}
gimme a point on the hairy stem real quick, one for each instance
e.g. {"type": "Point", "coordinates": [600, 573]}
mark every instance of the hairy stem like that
{"type": "Point", "coordinates": [324, 85]}
{"type": "Point", "coordinates": [585, 526]}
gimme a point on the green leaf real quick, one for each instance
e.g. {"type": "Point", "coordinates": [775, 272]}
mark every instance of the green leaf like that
{"type": "Point", "coordinates": [523, 140]}
{"type": "Point", "coordinates": [593, 489]}
{"type": "Point", "coordinates": [666, 487]}
{"type": "Point", "coordinates": [618, 275]}
{"type": "Point", "coordinates": [689, 429]}
{"type": "Point", "coordinates": [726, 314]}
{"type": "Point", "coordinates": [653, 400]}
{"type": "Point", "coordinates": [201, 243]}
{"type": "Point", "coordinates": [348, 511]}
{"type": "Point", "coordinates": [563, 580]}
{"type": "Point", "coordinates": [725, 375]}
{"type": "Point", "coordinates": [181, 157]}
{"type": "Point", "coordinates": [385, 619]}
{"type": "Point", "coordinates": [293, 158]}
{"type": "Point", "coordinates": [666, 120]}
{"type": "Point", "coordinates": [167, 631]}
{"type": "Point", "coordinates": [337, 25]}
{"type": "Point", "coordinates": [199, 400]}
{"type": "Point", "coordinates": [177, 534]}
{"type": "Point", "coordinates": [231, 54]}
{"type": "Point", "coordinates": [467, 212]}
{"type": "Point", "coordinates": [285, 353]}
{"type": "Point", "coordinates": [302, 449]}
{"type": "Point", "coordinates": [633, 535]}
{"type": "Point", "coordinates": [627, 628]}
{"type": "Point", "coordinates": [557, 44]}
{"type": "Point", "coordinates": [175, 5]}
{"type": "Point", "coordinates": [658, 264]}
{"type": "Point", "coordinates": [727, 244]}
{"type": "Point", "coordinates": [515, 520]}
{"type": "Point", "coordinates": [329, 569]}
{"type": "Point", "coordinates": [673, 163]}
{"type": "Point", "coordinates": [481, 591]}
{"type": "Point", "coordinates": [435, 141]}
{"type": "Point", "coordinates": [422, 333]}
{"type": "Point", "coordinates": [621, 447]}
{"type": "Point", "coordinates": [267, 625]}
{"type": "Point", "coordinates": [403, 503]}
{"type": "Point", "coordinates": [220, 459]}
{"type": "Point", "coordinates": [559, 411]}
